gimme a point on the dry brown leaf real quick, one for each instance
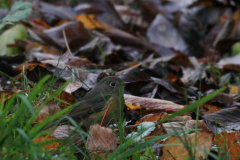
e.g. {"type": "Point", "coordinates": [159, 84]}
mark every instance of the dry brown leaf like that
{"type": "Point", "coordinates": [33, 47]}
{"type": "Point", "coordinates": [237, 135]}
{"type": "Point", "coordinates": [67, 97]}
{"type": "Point", "coordinates": [71, 87]}
{"type": "Point", "coordinates": [151, 103]}
{"type": "Point", "coordinates": [204, 141]}
{"type": "Point", "coordinates": [208, 109]}
{"type": "Point", "coordinates": [61, 22]}
{"type": "Point", "coordinates": [102, 139]}
{"type": "Point", "coordinates": [76, 35]}
{"type": "Point", "coordinates": [173, 126]}
{"type": "Point", "coordinates": [181, 59]}
{"type": "Point", "coordinates": [227, 118]}
{"type": "Point", "coordinates": [39, 25]}
{"type": "Point", "coordinates": [62, 132]}
{"type": "Point", "coordinates": [50, 109]}
{"type": "Point", "coordinates": [229, 142]}
{"type": "Point", "coordinates": [231, 68]}
{"type": "Point", "coordinates": [149, 118]}
{"type": "Point", "coordinates": [181, 118]}
{"type": "Point", "coordinates": [29, 66]}
{"type": "Point", "coordinates": [78, 62]}
{"type": "Point", "coordinates": [201, 125]}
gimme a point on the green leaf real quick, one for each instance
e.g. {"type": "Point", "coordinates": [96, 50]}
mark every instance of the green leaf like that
{"type": "Point", "coordinates": [144, 129]}
{"type": "Point", "coordinates": [10, 36]}
{"type": "Point", "coordinates": [19, 11]}
{"type": "Point", "coordinates": [235, 49]}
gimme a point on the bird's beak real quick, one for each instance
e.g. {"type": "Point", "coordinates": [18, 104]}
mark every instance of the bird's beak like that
{"type": "Point", "coordinates": [124, 83]}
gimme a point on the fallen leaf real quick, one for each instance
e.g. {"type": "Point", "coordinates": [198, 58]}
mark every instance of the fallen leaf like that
{"type": "Point", "coordinates": [39, 24]}
{"type": "Point", "coordinates": [181, 118]}
{"type": "Point", "coordinates": [133, 107]}
{"type": "Point", "coordinates": [181, 60]}
{"type": "Point", "coordinates": [159, 130]}
{"type": "Point", "coordinates": [233, 89]}
{"type": "Point", "coordinates": [10, 36]}
{"type": "Point", "coordinates": [50, 109]}
{"type": "Point", "coordinates": [61, 22]}
{"type": "Point", "coordinates": [54, 13]}
{"type": "Point", "coordinates": [229, 61]}
{"type": "Point", "coordinates": [90, 21]}
{"type": "Point", "coordinates": [143, 130]}
{"type": "Point", "coordinates": [76, 35]}
{"type": "Point", "coordinates": [162, 32]}
{"type": "Point", "coordinates": [226, 118]}
{"type": "Point", "coordinates": [6, 95]}
{"type": "Point", "coordinates": [208, 109]}
{"type": "Point", "coordinates": [34, 47]}
{"type": "Point", "coordinates": [190, 124]}
{"type": "Point", "coordinates": [68, 98]}
{"type": "Point", "coordinates": [204, 141]}
{"type": "Point", "coordinates": [173, 126]}
{"type": "Point", "coordinates": [151, 102]}
{"type": "Point", "coordinates": [52, 145]}
{"type": "Point", "coordinates": [231, 68]}
{"type": "Point", "coordinates": [149, 118]}
{"type": "Point", "coordinates": [62, 132]}
{"type": "Point", "coordinates": [102, 139]}
{"type": "Point", "coordinates": [229, 142]}
{"type": "Point", "coordinates": [29, 66]}
{"type": "Point", "coordinates": [71, 87]}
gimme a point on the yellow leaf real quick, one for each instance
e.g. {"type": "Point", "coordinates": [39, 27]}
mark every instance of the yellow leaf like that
{"type": "Point", "coordinates": [233, 89]}
{"type": "Point", "coordinates": [90, 22]}
{"type": "Point", "coordinates": [133, 107]}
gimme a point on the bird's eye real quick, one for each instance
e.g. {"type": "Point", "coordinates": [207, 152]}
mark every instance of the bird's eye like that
{"type": "Point", "coordinates": [112, 84]}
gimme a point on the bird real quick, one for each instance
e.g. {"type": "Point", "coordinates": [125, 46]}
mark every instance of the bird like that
{"type": "Point", "coordinates": [94, 104]}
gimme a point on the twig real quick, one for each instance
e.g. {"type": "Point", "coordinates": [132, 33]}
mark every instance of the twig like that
{"type": "Point", "coordinates": [65, 39]}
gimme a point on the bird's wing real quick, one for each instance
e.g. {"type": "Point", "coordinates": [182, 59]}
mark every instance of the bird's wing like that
{"type": "Point", "coordinates": [87, 107]}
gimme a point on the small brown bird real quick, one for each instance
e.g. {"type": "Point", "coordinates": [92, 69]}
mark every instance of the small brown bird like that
{"type": "Point", "coordinates": [94, 104]}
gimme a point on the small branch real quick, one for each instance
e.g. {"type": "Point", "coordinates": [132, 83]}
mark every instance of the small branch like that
{"type": "Point", "coordinates": [65, 39]}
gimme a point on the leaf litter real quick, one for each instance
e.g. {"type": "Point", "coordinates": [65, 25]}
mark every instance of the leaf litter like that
{"type": "Point", "coordinates": [169, 58]}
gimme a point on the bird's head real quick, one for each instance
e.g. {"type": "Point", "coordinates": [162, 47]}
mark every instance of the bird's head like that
{"type": "Point", "coordinates": [110, 85]}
